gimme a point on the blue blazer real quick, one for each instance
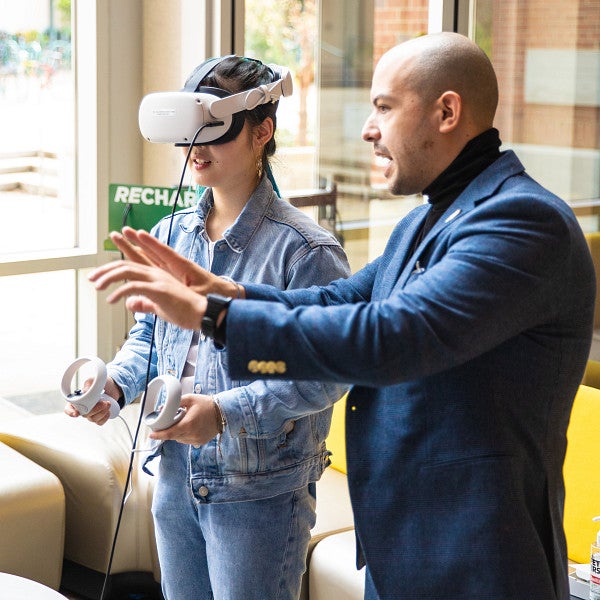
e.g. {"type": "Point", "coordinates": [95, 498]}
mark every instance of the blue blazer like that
{"type": "Point", "coordinates": [464, 358]}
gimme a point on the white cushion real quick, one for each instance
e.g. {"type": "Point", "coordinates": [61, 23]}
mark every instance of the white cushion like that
{"type": "Point", "coordinates": [92, 464]}
{"type": "Point", "coordinates": [32, 519]}
{"type": "Point", "coordinates": [332, 572]}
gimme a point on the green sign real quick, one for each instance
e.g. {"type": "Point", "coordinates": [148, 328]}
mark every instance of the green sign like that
{"type": "Point", "coordinates": [141, 207]}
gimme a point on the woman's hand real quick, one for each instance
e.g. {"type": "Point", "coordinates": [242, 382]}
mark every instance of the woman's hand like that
{"type": "Point", "coordinates": [100, 413]}
{"type": "Point", "coordinates": [198, 426]}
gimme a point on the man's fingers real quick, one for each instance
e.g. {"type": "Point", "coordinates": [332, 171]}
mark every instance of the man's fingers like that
{"type": "Point", "coordinates": [130, 288]}
{"type": "Point", "coordinates": [132, 236]}
{"type": "Point", "coordinates": [121, 271]}
{"type": "Point", "coordinates": [161, 253]}
{"type": "Point", "coordinates": [128, 249]}
{"type": "Point", "coordinates": [98, 272]}
{"type": "Point", "coordinates": [140, 304]}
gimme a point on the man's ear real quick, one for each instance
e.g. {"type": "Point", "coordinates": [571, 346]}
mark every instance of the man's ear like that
{"type": "Point", "coordinates": [450, 106]}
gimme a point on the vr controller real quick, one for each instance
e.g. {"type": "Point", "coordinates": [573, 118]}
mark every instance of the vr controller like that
{"type": "Point", "coordinates": [85, 401]}
{"type": "Point", "coordinates": [170, 413]}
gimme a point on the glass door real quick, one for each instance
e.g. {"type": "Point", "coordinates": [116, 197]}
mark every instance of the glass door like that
{"type": "Point", "coordinates": [37, 108]}
{"type": "Point", "coordinates": [332, 47]}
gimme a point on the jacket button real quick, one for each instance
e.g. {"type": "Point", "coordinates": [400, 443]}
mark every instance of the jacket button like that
{"type": "Point", "coordinates": [197, 388]}
{"type": "Point", "coordinates": [203, 491]}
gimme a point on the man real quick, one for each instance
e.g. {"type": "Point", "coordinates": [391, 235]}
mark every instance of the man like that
{"type": "Point", "coordinates": [465, 342]}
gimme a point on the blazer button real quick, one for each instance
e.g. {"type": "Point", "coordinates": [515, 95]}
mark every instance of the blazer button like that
{"type": "Point", "coordinates": [267, 366]}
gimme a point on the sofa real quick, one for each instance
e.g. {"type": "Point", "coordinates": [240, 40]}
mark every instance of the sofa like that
{"type": "Point", "coordinates": [91, 464]}
{"type": "Point", "coordinates": [32, 514]}
{"type": "Point", "coordinates": [332, 571]}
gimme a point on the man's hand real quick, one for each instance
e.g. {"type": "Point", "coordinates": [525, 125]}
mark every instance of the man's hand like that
{"type": "Point", "coordinates": [152, 290]}
{"type": "Point", "coordinates": [142, 248]}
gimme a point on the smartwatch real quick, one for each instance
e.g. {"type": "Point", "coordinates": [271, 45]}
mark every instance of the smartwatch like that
{"type": "Point", "coordinates": [215, 304]}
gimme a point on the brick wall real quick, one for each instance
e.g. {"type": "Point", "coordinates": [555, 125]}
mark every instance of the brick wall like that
{"type": "Point", "coordinates": [520, 26]}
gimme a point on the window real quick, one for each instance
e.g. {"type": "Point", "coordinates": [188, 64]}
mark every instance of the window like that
{"type": "Point", "coordinates": [547, 59]}
{"type": "Point", "coordinates": [48, 198]}
{"type": "Point", "coordinates": [331, 47]}
{"type": "Point", "coordinates": [37, 108]}
{"type": "Point", "coordinates": [69, 132]}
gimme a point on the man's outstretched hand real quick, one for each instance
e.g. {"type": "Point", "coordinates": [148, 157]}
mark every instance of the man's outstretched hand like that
{"type": "Point", "coordinates": [140, 247]}
{"type": "Point", "coordinates": [150, 289]}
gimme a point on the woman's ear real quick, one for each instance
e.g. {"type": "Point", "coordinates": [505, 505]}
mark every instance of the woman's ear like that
{"type": "Point", "coordinates": [450, 105]}
{"type": "Point", "coordinates": [264, 132]}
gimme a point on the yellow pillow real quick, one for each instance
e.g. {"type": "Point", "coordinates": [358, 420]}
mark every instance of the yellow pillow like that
{"type": "Point", "coordinates": [582, 475]}
{"type": "Point", "coordinates": [336, 441]}
{"type": "Point", "coordinates": [591, 377]}
{"type": "Point", "coordinates": [593, 240]}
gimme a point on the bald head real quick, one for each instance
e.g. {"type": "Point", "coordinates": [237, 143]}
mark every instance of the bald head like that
{"type": "Point", "coordinates": [447, 61]}
{"type": "Point", "coordinates": [430, 96]}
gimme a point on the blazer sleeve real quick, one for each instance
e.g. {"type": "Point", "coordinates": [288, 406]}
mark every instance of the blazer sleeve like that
{"type": "Point", "coordinates": [508, 265]}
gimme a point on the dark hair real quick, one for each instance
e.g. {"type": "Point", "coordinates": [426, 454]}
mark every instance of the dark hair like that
{"type": "Point", "coordinates": [236, 74]}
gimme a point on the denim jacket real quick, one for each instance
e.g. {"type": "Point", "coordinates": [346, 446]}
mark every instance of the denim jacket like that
{"type": "Point", "coordinates": [274, 439]}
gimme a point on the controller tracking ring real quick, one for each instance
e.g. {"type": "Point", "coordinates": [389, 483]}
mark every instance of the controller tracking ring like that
{"type": "Point", "coordinates": [171, 412]}
{"type": "Point", "coordinates": [85, 401]}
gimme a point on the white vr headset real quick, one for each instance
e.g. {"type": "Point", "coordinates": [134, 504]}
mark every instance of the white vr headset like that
{"type": "Point", "coordinates": [209, 115]}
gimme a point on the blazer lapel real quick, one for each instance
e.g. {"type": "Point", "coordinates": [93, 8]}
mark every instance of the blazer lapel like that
{"type": "Point", "coordinates": [396, 255]}
{"type": "Point", "coordinates": [401, 265]}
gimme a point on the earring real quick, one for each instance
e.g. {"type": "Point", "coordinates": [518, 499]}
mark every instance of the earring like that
{"type": "Point", "coordinates": [259, 168]}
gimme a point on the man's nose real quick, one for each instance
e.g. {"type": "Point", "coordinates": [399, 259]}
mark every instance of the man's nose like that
{"type": "Point", "coordinates": [370, 132]}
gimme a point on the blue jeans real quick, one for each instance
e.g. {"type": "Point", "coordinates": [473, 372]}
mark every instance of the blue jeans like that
{"type": "Point", "coordinates": [253, 550]}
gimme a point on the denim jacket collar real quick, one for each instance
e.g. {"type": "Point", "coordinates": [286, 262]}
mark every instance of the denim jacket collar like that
{"type": "Point", "coordinates": [238, 236]}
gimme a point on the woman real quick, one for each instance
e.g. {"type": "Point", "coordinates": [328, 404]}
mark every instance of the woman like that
{"type": "Point", "coordinates": [233, 516]}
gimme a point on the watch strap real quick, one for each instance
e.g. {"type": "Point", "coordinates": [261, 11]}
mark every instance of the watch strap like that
{"type": "Point", "coordinates": [215, 304]}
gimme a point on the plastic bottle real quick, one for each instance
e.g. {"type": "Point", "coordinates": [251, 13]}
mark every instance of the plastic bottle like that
{"type": "Point", "coordinates": [595, 567]}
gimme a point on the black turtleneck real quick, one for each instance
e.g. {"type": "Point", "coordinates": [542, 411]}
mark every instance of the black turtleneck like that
{"type": "Point", "coordinates": [476, 156]}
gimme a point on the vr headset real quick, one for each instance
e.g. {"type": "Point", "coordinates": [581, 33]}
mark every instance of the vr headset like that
{"type": "Point", "coordinates": [205, 115]}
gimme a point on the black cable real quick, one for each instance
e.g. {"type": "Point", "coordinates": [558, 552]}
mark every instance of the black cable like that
{"type": "Point", "coordinates": [149, 365]}
{"type": "Point", "coordinates": [126, 212]}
